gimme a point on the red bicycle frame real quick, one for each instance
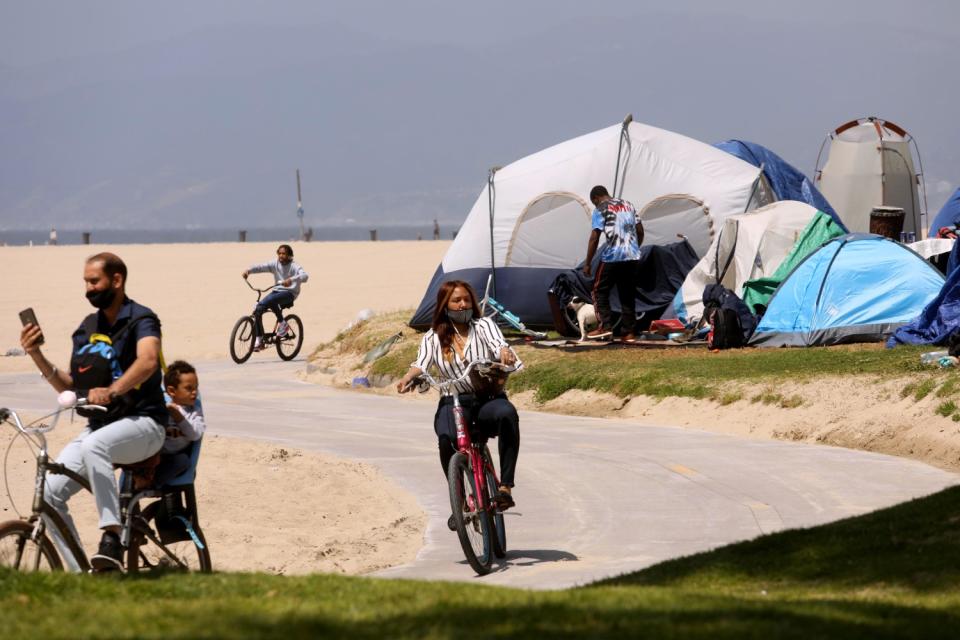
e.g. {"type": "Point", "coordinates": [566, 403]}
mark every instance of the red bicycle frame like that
{"type": "Point", "coordinates": [479, 463]}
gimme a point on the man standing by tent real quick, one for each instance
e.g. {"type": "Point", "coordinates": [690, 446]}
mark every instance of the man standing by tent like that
{"type": "Point", "coordinates": [619, 261]}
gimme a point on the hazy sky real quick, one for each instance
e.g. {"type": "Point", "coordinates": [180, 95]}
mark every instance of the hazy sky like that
{"type": "Point", "coordinates": [132, 112]}
{"type": "Point", "coordinates": [44, 30]}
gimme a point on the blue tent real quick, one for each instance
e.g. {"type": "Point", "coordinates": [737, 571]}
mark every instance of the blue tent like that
{"type": "Point", "coordinates": [787, 182]}
{"type": "Point", "coordinates": [949, 215]}
{"type": "Point", "coordinates": [855, 288]}
{"type": "Point", "coordinates": [939, 319]}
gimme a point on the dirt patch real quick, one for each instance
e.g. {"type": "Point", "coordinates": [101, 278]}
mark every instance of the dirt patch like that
{"type": "Point", "coordinates": [266, 508]}
{"type": "Point", "coordinates": [866, 414]}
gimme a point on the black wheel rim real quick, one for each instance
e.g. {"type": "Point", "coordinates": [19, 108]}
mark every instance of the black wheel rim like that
{"type": "Point", "coordinates": [241, 340]}
{"type": "Point", "coordinates": [472, 522]}
{"type": "Point", "coordinates": [499, 530]}
{"type": "Point", "coordinates": [289, 345]}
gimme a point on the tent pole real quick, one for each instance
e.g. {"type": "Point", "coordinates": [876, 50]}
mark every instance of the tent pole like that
{"type": "Point", "coordinates": [491, 203]}
{"type": "Point", "coordinates": [816, 167]}
{"type": "Point", "coordinates": [753, 189]}
{"type": "Point", "coordinates": [922, 186]}
{"type": "Point", "coordinates": [624, 133]}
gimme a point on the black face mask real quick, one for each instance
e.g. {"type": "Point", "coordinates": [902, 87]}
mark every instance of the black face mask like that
{"type": "Point", "coordinates": [102, 299]}
{"type": "Point", "coordinates": [460, 317]}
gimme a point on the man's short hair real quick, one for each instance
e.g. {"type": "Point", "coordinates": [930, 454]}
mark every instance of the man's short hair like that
{"type": "Point", "coordinates": [598, 192]}
{"type": "Point", "coordinates": [112, 264]}
{"type": "Point", "coordinates": [176, 369]}
{"type": "Point", "coordinates": [287, 247]}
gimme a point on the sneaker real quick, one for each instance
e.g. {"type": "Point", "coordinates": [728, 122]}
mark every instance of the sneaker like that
{"type": "Point", "coordinates": [599, 334]}
{"type": "Point", "coordinates": [109, 556]}
{"type": "Point", "coordinates": [630, 338]}
{"type": "Point", "coordinates": [504, 500]}
{"type": "Point", "coordinates": [282, 329]}
{"type": "Point", "coordinates": [258, 344]}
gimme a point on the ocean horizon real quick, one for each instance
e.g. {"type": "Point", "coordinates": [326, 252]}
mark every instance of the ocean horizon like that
{"type": "Point", "coordinates": [20, 237]}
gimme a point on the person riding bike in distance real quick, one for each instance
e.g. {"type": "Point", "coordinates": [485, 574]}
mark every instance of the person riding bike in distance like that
{"type": "Point", "coordinates": [459, 335]}
{"type": "Point", "coordinates": [288, 276]}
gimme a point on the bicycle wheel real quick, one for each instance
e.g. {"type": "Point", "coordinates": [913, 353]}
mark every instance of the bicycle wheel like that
{"type": "Point", "coordinates": [241, 339]}
{"type": "Point", "coordinates": [473, 522]}
{"type": "Point", "coordinates": [19, 552]}
{"type": "Point", "coordinates": [289, 345]}
{"type": "Point", "coordinates": [499, 534]}
{"type": "Point", "coordinates": [167, 551]}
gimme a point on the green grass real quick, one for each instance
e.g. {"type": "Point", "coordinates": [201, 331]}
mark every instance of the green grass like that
{"type": "Point", "coordinates": [949, 386]}
{"type": "Point", "coordinates": [919, 390]}
{"type": "Point", "coordinates": [699, 374]}
{"type": "Point", "coordinates": [946, 409]}
{"type": "Point", "coordinates": [691, 373]}
{"type": "Point", "coordinates": [728, 398]}
{"type": "Point", "coordinates": [892, 573]}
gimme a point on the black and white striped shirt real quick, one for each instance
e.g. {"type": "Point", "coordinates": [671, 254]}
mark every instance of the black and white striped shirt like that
{"type": "Point", "coordinates": [484, 341]}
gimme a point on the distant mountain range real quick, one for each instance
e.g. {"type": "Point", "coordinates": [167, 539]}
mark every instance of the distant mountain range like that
{"type": "Point", "coordinates": [207, 129]}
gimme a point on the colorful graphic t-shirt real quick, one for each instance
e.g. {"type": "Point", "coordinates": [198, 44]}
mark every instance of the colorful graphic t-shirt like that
{"type": "Point", "coordinates": [617, 219]}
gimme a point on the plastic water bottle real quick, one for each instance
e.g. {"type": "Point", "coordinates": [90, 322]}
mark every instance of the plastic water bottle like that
{"type": "Point", "coordinates": [933, 357]}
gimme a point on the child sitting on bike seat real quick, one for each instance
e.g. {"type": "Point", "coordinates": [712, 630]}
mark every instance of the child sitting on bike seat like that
{"type": "Point", "coordinates": [186, 424]}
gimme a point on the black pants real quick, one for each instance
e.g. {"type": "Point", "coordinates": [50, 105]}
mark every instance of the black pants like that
{"type": "Point", "coordinates": [273, 301]}
{"type": "Point", "coordinates": [623, 276]}
{"type": "Point", "coordinates": [493, 418]}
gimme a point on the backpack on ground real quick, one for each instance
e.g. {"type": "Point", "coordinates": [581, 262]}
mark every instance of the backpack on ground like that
{"type": "Point", "coordinates": [730, 318]}
{"type": "Point", "coordinates": [726, 331]}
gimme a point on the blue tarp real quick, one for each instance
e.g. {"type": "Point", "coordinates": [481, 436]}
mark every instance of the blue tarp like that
{"type": "Point", "coordinates": [855, 288]}
{"type": "Point", "coordinates": [787, 182]}
{"type": "Point", "coordinates": [949, 215]}
{"type": "Point", "coordinates": [940, 318]}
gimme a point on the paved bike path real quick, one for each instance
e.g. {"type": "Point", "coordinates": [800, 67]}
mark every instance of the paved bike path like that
{"type": "Point", "coordinates": [595, 497]}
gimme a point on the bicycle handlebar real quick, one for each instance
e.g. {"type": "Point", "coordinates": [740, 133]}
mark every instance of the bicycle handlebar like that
{"type": "Point", "coordinates": [67, 400]}
{"type": "Point", "coordinates": [260, 291]}
{"type": "Point", "coordinates": [425, 381]}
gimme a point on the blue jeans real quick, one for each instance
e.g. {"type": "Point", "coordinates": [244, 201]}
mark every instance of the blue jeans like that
{"type": "Point", "coordinates": [273, 301]}
{"type": "Point", "coordinates": [93, 454]}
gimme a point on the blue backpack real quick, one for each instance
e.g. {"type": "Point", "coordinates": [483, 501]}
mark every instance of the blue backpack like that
{"type": "Point", "coordinates": [97, 364]}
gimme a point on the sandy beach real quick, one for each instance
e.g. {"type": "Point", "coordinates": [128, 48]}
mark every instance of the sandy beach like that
{"type": "Point", "coordinates": [366, 523]}
{"type": "Point", "coordinates": [197, 291]}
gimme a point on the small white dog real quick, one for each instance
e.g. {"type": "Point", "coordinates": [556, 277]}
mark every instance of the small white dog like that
{"type": "Point", "coordinates": [586, 316]}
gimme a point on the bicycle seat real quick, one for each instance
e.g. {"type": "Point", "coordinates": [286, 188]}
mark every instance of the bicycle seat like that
{"type": "Point", "coordinates": [286, 305]}
{"type": "Point", "coordinates": [142, 472]}
{"type": "Point", "coordinates": [143, 465]}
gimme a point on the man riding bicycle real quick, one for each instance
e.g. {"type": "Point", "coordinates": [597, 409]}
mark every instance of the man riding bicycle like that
{"type": "Point", "coordinates": [116, 363]}
{"type": "Point", "coordinates": [287, 275]}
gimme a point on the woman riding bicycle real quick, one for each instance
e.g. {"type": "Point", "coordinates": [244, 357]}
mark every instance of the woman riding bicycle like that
{"type": "Point", "coordinates": [458, 336]}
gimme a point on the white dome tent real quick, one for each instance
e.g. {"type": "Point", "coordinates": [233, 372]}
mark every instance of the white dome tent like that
{"type": "Point", "coordinates": [532, 219]}
{"type": "Point", "coordinates": [667, 216]}
{"type": "Point", "coordinates": [747, 246]}
{"type": "Point", "coordinates": [869, 164]}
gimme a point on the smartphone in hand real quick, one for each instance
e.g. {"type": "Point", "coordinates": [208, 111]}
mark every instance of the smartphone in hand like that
{"type": "Point", "coordinates": [27, 316]}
